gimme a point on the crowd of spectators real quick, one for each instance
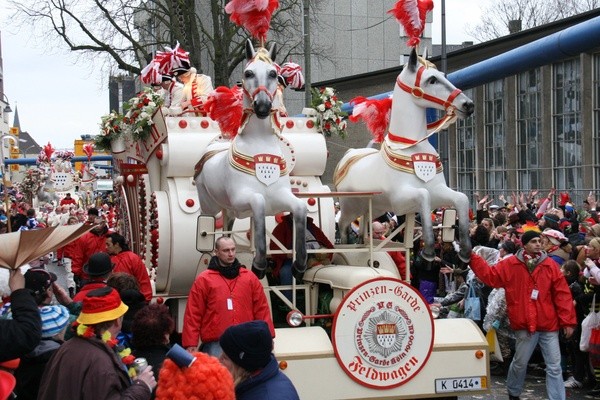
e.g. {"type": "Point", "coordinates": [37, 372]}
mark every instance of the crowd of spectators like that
{"type": "Point", "coordinates": [567, 234]}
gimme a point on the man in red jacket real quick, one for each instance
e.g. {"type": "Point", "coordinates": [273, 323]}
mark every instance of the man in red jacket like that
{"type": "Point", "coordinates": [127, 261]}
{"type": "Point", "coordinates": [539, 304]}
{"type": "Point", "coordinates": [67, 200]}
{"type": "Point", "coordinates": [225, 294]}
{"type": "Point", "coordinates": [91, 243]}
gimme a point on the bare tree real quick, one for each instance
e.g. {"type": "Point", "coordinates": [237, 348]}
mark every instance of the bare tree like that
{"type": "Point", "coordinates": [124, 33]}
{"type": "Point", "coordinates": [497, 18]}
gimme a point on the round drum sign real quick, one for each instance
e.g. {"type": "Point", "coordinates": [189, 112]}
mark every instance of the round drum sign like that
{"type": "Point", "coordinates": [383, 333]}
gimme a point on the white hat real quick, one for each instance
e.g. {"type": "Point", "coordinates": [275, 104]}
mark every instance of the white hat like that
{"type": "Point", "coordinates": [556, 237]}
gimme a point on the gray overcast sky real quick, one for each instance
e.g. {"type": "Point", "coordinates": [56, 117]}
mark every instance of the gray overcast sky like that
{"type": "Point", "coordinates": [59, 100]}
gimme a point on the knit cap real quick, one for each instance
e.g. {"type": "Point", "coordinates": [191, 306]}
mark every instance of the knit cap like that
{"type": "Point", "coordinates": [248, 345]}
{"type": "Point", "coordinates": [527, 236]}
{"type": "Point", "coordinates": [54, 320]}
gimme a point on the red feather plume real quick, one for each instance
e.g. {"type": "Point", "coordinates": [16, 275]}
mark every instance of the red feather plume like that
{"type": "Point", "coordinates": [253, 15]}
{"type": "Point", "coordinates": [411, 14]}
{"type": "Point", "coordinates": [374, 113]}
{"type": "Point", "coordinates": [48, 150]}
{"type": "Point", "coordinates": [225, 106]}
{"type": "Point", "coordinates": [88, 149]}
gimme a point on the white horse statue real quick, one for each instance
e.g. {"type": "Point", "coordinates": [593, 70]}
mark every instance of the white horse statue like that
{"type": "Point", "coordinates": [248, 176]}
{"type": "Point", "coordinates": [407, 170]}
{"type": "Point", "coordinates": [45, 191]}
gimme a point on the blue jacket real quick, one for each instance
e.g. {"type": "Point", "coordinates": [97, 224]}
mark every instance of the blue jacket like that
{"type": "Point", "coordinates": [269, 384]}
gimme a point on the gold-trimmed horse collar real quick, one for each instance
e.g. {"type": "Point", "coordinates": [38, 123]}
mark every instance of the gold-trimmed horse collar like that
{"type": "Point", "coordinates": [424, 165]}
{"type": "Point", "coordinates": [267, 168]}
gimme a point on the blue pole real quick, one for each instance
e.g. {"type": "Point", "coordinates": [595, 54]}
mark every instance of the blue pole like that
{"type": "Point", "coordinates": [557, 46]}
{"type": "Point", "coordinates": [33, 161]}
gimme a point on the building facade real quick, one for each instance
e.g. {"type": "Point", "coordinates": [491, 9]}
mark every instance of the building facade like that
{"type": "Point", "coordinates": [534, 130]}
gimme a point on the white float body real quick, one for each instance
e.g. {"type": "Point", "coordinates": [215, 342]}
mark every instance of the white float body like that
{"type": "Point", "coordinates": [170, 202]}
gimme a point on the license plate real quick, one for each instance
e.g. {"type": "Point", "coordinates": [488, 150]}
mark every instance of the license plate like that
{"type": "Point", "coordinates": [460, 384]}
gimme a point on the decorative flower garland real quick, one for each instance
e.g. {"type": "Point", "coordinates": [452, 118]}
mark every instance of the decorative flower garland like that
{"type": "Point", "coordinates": [139, 112]}
{"type": "Point", "coordinates": [330, 117]}
{"type": "Point", "coordinates": [110, 129]}
{"type": "Point", "coordinates": [124, 353]}
{"type": "Point", "coordinates": [137, 121]}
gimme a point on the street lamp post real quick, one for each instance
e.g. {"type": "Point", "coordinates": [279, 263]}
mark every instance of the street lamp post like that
{"type": "Point", "coordinates": [24, 152]}
{"type": "Point", "coordinates": [6, 181]}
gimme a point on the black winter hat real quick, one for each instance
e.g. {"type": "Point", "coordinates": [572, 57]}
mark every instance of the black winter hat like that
{"type": "Point", "coordinates": [509, 247]}
{"type": "Point", "coordinates": [38, 280]}
{"type": "Point", "coordinates": [527, 236]}
{"type": "Point", "coordinates": [248, 345]}
{"type": "Point", "coordinates": [99, 264]}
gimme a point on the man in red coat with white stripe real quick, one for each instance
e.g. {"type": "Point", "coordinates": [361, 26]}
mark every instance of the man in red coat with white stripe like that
{"type": "Point", "coordinates": [538, 303]}
{"type": "Point", "coordinates": [127, 261]}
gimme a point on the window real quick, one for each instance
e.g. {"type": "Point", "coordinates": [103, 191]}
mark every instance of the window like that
{"type": "Point", "coordinates": [529, 87]}
{"type": "Point", "coordinates": [566, 135]}
{"type": "Point", "coordinates": [465, 137]}
{"type": "Point", "coordinates": [495, 136]}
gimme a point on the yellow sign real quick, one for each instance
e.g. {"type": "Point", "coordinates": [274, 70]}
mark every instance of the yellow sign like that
{"type": "Point", "coordinates": [14, 130]}
{"type": "Point", "coordinates": [14, 153]}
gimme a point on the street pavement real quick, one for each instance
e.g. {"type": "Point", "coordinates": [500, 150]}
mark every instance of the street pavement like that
{"type": "Point", "coordinates": [535, 387]}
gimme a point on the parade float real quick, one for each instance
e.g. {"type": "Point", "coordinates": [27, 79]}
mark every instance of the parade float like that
{"type": "Point", "coordinates": [51, 178]}
{"type": "Point", "coordinates": [357, 329]}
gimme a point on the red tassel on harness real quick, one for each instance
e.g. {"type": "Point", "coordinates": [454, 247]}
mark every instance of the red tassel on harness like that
{"type": "Point", "coordinates": [411, 15]}
{"type": "Point", "coordinates": [225, 106]}
{"type": "Point", "coordinates": [374, 113]}
{"type": "Point", "coordinates": [253, 15]}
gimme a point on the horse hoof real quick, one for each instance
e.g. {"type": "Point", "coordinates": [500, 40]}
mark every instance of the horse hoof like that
{"type": "Point", "coordinates": [299, 276]}
{"type": "Point", "coordinates": [298, 271]}
{"type": "Point", "coordinates": [260, 273]}
{"type": "Point", "coordinates": [426, 256]}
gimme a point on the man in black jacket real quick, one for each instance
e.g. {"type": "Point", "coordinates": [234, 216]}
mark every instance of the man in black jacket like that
{"type": "Point", "coordinates": [21, 334]}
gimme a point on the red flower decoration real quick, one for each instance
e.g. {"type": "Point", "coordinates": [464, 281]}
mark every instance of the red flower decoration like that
{"type": "Point", "coordinates": [89, 332]}
{"type": "Point", "coordinates": [128, 359]}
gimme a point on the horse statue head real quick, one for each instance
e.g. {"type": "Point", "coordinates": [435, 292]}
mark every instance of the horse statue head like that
{"type": "Point", "coordinates": [259, 84]}
{"type": "Point", "coordinates": [419, 86]}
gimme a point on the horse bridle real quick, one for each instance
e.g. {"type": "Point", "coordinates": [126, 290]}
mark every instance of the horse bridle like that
{"type": "Point", "coordinates": [418, 92]}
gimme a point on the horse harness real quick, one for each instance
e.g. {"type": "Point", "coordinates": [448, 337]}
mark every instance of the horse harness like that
{"type": "Point", "coordinates": [267, 168]}
{"type": "Point", "coordinates": [418, 92]}
{"type": "Point", "coordinates": [424, 165]}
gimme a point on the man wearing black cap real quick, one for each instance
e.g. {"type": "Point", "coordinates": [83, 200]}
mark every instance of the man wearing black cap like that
{"type": "Point", "coordinates": [539, 304]}
{"type": "Point", "coordinates": [247, 355]}
{"type": "Point", "coordinates": [39, 282]}
{"type": "Point", "coordinates": [98, 269]}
